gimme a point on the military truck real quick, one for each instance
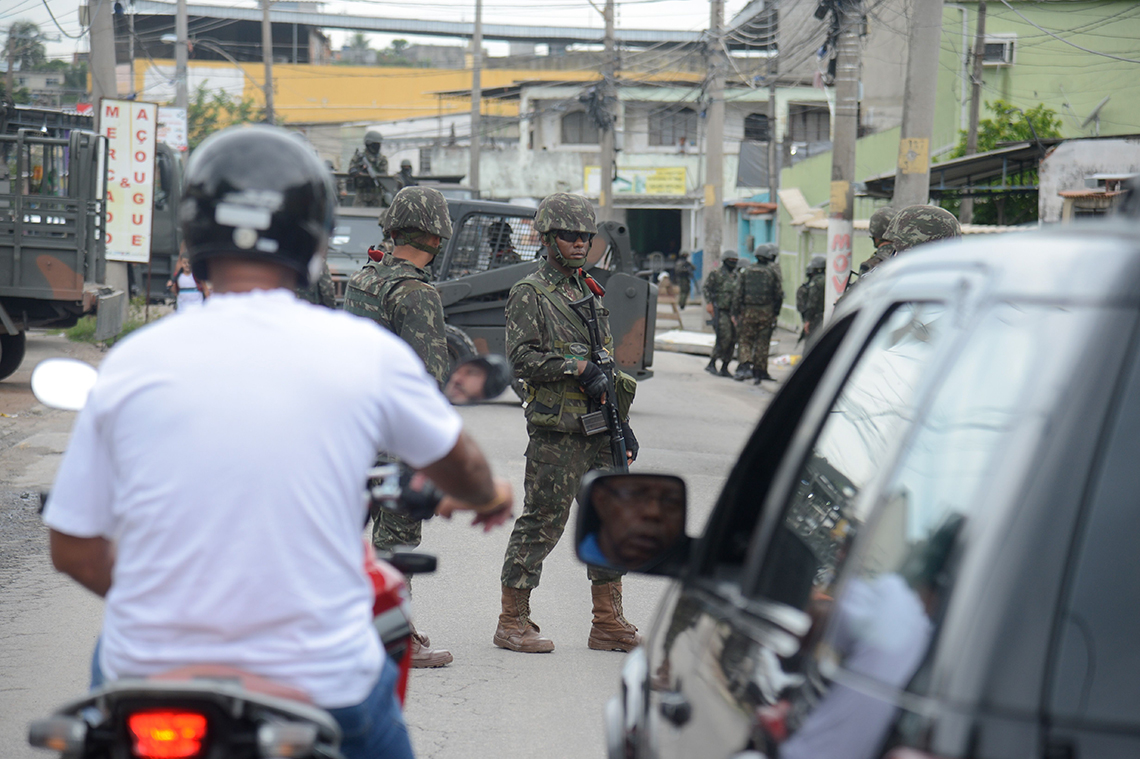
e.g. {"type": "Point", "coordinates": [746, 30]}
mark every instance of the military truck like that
{"type": "Point", "coordinates": [493, 246]}
{"type": "Point", "coordinates": [52, 237]}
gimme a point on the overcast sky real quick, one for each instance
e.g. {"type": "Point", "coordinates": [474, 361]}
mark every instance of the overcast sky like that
{"type": "Point", "coordinates": [681, 15]}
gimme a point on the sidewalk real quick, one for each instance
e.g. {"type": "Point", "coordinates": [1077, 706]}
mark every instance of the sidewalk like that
{"type": "Point", "coordinates": [695, 336]}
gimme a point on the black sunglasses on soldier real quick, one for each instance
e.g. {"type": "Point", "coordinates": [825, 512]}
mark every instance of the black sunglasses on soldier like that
{"type": "Point", "coordinates": [565, 236]}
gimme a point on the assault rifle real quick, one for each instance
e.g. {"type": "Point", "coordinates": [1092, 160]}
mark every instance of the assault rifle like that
{"type": "Point", "coordinates": [607, 418]}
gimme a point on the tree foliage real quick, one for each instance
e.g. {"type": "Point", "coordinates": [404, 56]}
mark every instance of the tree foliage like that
{"type": "Point", "coordinates": [25, 43]}
{"type": "Point", "coordinates": [1009, 125]}
{"type": "Point", "coordinates": [207, 112]}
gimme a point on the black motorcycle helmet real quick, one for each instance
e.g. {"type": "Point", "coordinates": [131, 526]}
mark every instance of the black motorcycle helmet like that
{"type": "Point", "coordinates": [256, 192]}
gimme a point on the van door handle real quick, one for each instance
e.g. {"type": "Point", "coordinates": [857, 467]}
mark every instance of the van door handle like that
{"type": "Point", "coordinates": [676, 708]}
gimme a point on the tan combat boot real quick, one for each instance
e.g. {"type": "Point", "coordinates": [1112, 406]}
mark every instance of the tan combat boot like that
{"type": "Point", "coordinates": [611, 631]}
{"type": "Point", "coordinates": [516, 631]}
{"type": "Point", "coordinates": [426, 657]}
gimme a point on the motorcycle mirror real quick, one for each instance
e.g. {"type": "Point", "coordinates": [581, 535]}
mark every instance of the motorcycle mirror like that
{"type": "Point", "coordinates": [633, 522]}
{"type": "Point", "coordinates": [479, 378]}
{"type": "Point", "coordinates": [63, 383]}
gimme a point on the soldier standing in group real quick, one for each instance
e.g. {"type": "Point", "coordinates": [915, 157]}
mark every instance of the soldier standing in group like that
{"type": "Point", "coordinates": [322, 292]}
{"type": "Point", "coordinates": [755, 307]}
{"type": "Point", "coordinates": [809, 296]}
{"type": "Point", "coordinates": [683, 278]}
{"type": "Point", "coordinates": [719, 289]}
{"type": "Point", "coordinates": [548, 346]}
{"type": "Point", "coordinates": [405, 176]}
{"type": "Point", "coordinates": [397, 293]}
{"type": "Point", "coordinates": [365, 171]}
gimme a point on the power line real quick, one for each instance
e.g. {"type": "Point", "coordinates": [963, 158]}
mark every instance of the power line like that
{"type": "Point", "coordinates": [1062, 39]}
{"type": "Point", "coordinates": [61, 29]}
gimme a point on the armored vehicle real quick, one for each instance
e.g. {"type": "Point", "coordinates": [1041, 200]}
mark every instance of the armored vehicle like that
{"type": "Point", "coordinates": [494, 246]}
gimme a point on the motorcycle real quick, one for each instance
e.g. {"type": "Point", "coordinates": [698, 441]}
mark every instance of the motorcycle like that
{"type": "Point", "coordinates": [219, 712]}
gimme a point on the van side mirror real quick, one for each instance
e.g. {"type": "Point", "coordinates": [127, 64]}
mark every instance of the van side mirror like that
{"type": "Point", "coordinates": [479, 378]}
{"type": "Point", "coordinates": [633, 523]}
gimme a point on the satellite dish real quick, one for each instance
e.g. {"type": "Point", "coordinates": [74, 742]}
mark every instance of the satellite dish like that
{"type": "Point", "coordinates": [1095, 115]}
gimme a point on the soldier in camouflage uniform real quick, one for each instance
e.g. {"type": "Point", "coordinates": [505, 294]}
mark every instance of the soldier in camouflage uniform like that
{"type": "Point", "coordinates": [755, 306]}
{"type": "Point", "coordinates": [321, 292]}
{"type": "Point", "coordinates": [548, 346]}
{"type": "Point", "coordinates": [877, 226]}
{"type": "Point", "coordinates": [405, 176]}
{"type": "Point", "coordinates": [809, 296]}
{"type": "Point", "coordinates": [365, 169]}
{"type": "Point", "coordinates": [718, 291]}
{"type": "Point", "coordinates": [397, 293]}
{"type": "Point", "coordinates": [915, 225]}
{"type": "Point", "coordinates": [683, 278]}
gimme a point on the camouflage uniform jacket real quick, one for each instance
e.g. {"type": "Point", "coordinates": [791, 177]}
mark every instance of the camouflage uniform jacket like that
{"type": "Point", "coordinates": [758, 286]}
{"type": "Point", "coordinates": [322, 292]}
{"type": "Point", "coordinates": [809, 301]}
{"type": "Point", "coordinates": [719, 288]}
{"type": "Point", "coordinates": [545, 341]}
{"type": "Point", "coordinates": [881, 254]}
{"type": "Point", "coordinates": [683, 271]}
{"type": "Point", "coordinates": [397, 294]}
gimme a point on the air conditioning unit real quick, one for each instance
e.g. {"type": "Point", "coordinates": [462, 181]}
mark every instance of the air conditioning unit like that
{"type": "Point", "coordinates": [999, 50]}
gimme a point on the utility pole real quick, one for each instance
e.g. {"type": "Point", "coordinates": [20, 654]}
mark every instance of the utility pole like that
{"type": "Point", "coordinates": [102, 58]}
{"type": "Point", "coordinates": [181, 53]}
{"type": "Point", "coordinates": [840, 222]}
{"type": "Point", "coordinates": [267, 56]}
{"type": "Point", "coordinates": [912, 178]}
{"type": "Point", "coordinates": [609, 72]}
{"type": "Point", "coordinates": [773, 144]}
{"type": "Point", "coordinates": [966, 210]}
{"type": "Point", "coordinates": [476, 98]}
{"type": "Point", "coordinates": [714, 143]}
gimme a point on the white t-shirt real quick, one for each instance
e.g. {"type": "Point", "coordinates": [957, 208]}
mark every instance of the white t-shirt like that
{"type": "Point", "coordinates": [225, 453]}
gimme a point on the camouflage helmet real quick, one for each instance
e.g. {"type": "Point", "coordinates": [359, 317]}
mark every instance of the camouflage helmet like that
{"type": "Point", "coordinates": [421, 208]}
{"type": "Point", "coordinates": [372, 137]}
{"type": "Point", "coordinates": [405, 164]}
{"type": "Point", "coordinates": [728, 254]}
{"type": "Point", "coordinates": [915, 225]}
{"type": "Point", "coordinates": [563, 211]}
{"type": "Point", "coordinates": [879, 221]}
{"type": "Point", "coordinates": [817, 265]}
{"type": "Point", "coordinates": [766, 251]}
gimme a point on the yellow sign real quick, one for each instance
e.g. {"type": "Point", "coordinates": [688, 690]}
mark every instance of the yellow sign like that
{"type": "Point", "coordinates": [710, 195]}
{"type": "Point", "coordinates": [914, 155]}
{"type": "Point", "coordinates": [665, 180]}
{"type": "Point", "coordinates": [839, 193]}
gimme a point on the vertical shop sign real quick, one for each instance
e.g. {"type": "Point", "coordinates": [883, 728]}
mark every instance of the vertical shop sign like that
{"type": "Point", "coordinates": [131, 129]}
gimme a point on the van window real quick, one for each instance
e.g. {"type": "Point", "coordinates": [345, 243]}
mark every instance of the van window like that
{"type": "Point", "coordinates": [484, 242]}
{"type": "Point", "coordinates": [824, 511]}
{"type": "Point", "coordinates": [902, 567]}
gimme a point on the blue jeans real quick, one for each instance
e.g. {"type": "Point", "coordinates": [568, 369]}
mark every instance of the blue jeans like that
{"type": "Point", "coordinates": [373, 729]}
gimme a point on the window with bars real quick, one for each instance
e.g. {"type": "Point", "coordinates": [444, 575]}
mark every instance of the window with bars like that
{"type": "Point", "coordinates": [489, 241]}
{"type": "Point", "coordinates": [673, 126]}
{"type": "Point", "coordinates": [809, 123]}
{"type": "Point", "coordinates": [756, 127]}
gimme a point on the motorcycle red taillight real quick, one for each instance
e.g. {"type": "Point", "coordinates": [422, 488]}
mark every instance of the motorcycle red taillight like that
{"type": "Point", "coordinates": [167, 734]}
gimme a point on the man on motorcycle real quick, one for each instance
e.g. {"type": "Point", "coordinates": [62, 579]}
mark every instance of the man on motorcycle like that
{"type": "Point", "coordinates": [212, 488]}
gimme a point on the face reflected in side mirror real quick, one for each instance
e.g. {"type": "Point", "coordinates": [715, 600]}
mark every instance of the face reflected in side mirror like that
{"type": "Point", "coordinates": [63, 383]}
{"type": "Point", "coordinates": [631, 521]}
{"type": "Point", "coordinates": [481, 378]}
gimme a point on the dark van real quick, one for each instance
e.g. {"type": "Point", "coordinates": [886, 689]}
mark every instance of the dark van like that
{"type": "Point", "coordinates": [927, 548]}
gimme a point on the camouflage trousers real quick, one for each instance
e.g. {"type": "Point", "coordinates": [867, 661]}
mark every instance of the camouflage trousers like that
{"type": "Point", "coordinates": [683, 287]}
{"type": "Point", "coordinates": [555, 465]}
{"type": "Point", "coordinates": [754, 331]}
{"type": "Point", "coordinates": [725, 344]}
{"type": "Point", "coordinates": [393, 530]}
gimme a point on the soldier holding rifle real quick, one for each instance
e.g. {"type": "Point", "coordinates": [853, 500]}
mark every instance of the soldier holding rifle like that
{"type": "Point", "coordinates": [577, 413]}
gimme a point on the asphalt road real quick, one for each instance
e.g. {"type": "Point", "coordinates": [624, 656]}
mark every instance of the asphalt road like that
{"type": "Point", "coordinates": [489, 702]}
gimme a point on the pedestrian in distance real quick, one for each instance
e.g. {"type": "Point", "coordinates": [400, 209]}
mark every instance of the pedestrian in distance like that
{"type": "Point", "coordinates": [252, 555]}
{"type": "Point", "coordinates": [396, 292]}
{"type": "Point", "coordinates": [683, 278]}
{"type": "Point", "coordinates": [549, 349]}
{"type": "Point", "coordinates": [720, 286]}
{"type": "Point", "coordinates": [755, 307]}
